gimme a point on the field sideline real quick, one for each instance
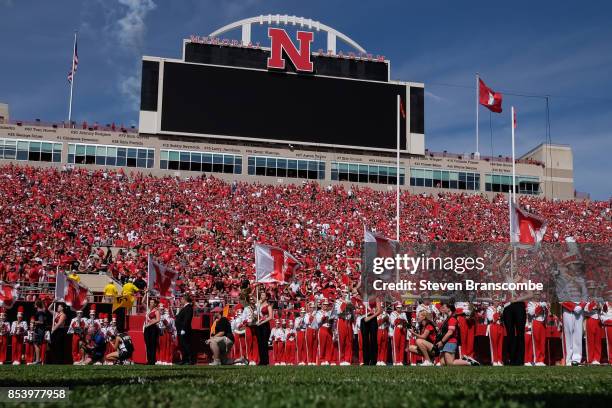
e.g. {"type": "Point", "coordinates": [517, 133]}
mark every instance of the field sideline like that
{"type": "Point", "coordinates": [320, 386]}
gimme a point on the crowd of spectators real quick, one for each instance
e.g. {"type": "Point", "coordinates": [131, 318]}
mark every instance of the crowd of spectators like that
{"type": "Point", "coordinates": [205, 228]}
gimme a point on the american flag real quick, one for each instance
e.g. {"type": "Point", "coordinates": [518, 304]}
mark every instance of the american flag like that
{"type": "Point", "coordinates": [75, 62]}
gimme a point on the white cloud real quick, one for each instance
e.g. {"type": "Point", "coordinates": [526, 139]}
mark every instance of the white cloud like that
{"type": "Point", "coordinates": [129, 86]}
{"type": "Point", "coordinates": [131, 26]}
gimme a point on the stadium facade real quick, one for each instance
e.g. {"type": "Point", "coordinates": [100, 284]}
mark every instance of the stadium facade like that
{"type": "Point", "coordinates": [282, 113]}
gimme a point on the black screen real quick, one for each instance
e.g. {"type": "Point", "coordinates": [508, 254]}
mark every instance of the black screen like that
{"type": "Point", "coordinates": [257, 58]}
{"type": "Point", "coordinates": [149, 85]}
{"type": "Point", "coordinates": [223, 101]}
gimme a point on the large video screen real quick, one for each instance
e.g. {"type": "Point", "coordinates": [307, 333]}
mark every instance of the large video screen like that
{"type": "Point", "coordinates": [224, 101]}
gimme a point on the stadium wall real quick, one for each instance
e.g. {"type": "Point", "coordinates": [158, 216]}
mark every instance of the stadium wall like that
{"type": "Point", "coordinates": [551, 165]}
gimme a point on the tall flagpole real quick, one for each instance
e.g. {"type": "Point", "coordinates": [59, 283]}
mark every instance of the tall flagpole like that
{"type": "Point", "coordinates": [72, 79]}
{"type": "Point", "coordinates": [477, 153]}
{"type": "Point", "coordinates": [397, 199]}
{"type": "Point", "coordinates": [513, 160]}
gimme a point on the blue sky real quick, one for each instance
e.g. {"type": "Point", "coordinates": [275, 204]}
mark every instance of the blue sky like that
{"type": "Point", "coordinates": [557, 48]}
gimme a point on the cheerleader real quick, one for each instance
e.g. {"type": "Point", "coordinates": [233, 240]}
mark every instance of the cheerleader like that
{"type": "Point", "coordinates": [167, 333]}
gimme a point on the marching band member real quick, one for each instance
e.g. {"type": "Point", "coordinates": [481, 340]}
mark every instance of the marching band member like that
{"type": "Point", "coordinates": [344, 309]}
{"type": "Point", "coordinates": [495, 332]}
{"type": "Point", "coordinates": [290, 344]}
{"type": "Point", "coordinates": [359, 313]}
{"type": "Point", "coordinates": [467, 328]}
{"type": "Point", "coordinates": [77, 328]}
{"type": "Point", "coordinates": [5, 329]}
{"type": "Point", "coordinates": [312, 334]}
{"type": "Point", "coordinates": [277, 335]}
{"type": "Point", "coordinates": [167, 334]}
{"type": "Point", "coordinates": [28, 340]}
{"type": "Point", "coordinates": [325, 321]}
{"type": "Point", "coordinates": [528, 356]}
{"type": "Point", "coordinates": [92, 316]}
{"type": "Point", "coordinates": [399, 323]}
{"type": "Point", "coordinates": [239, 330]}
{"type": "Point", "coordinates": [300, 327]}
{"type": "Point", "coordinates": [593, 332]}
{"type": "Point", "coordinates": [537, 313]}
{"type": "Point", "coordinates": [250, 321]}
{"type": "Point", "coordinates": [18, 331]}
{"type": "Point", "coordinates": [111, 330]}
{"type": "Point", "coordinates": [383, 338]}
{"type": "Point", "coordinates": [571, 289]}
{"type": "Point", "coordinates": [606, 320]}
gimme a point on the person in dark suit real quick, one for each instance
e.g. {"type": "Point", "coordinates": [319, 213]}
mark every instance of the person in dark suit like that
{"type": "Point", "coordinates": [183, 329]}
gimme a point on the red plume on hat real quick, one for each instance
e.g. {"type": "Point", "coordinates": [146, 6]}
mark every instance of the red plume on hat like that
{"type": "Point", "coordinates": [20, 309]}
{"type": "Point", "coordinates": [92, 308]}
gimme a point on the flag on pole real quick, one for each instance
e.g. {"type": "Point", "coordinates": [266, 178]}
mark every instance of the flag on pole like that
{"type": "Point", "coordinates": [514, 118]}
{"type": "Point", "coordinates": [8, 295]}
{"type": "Point", "coordinates": [71, 292]}
{"type": "Point", "coordinates": [526, 229]}
{"type": "Point", "coordinates": [125, 301]}
{"type": "Point", "coordinates": [75, 62]}
{"type": "Point", "coordinates": [376, 246]}
{"type": "Point", "coordinates": [402, 110]}
{"type": "Point", "coordinates": [489, 98]}
{"type": "Point", "coordinates": [160, 278]}
{"type": "Point", "coordinates": [274, 265]}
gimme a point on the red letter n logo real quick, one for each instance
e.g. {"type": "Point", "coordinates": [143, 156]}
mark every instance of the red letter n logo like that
{"type": "Point", "coordinates": [280, 41]}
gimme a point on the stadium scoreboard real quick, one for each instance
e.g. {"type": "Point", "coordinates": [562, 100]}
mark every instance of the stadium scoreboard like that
{"type": "Point", "coordinates": [223, 90]}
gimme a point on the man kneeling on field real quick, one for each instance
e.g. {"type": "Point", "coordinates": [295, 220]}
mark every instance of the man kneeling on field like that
{"type": "Point", "coordinates": [221, 340]}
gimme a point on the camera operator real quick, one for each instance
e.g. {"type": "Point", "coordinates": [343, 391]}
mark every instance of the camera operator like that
{"type": "Point", "coordinates": [446, 340]}
{"type": "Point", "coordinates": [93, 346]}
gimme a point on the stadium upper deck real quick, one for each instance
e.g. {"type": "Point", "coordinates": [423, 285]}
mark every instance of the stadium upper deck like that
{"type": "Point", "coordinates": [246, 112]}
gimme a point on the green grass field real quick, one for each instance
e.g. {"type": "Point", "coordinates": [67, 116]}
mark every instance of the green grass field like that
{"type": "Point", "coordinates": [142, 386]}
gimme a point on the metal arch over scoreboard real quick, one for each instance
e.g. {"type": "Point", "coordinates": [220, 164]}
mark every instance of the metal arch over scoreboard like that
{"type": "Point", "coordinates": [332, 34]}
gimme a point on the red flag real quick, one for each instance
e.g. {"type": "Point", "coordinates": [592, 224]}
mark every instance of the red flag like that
{"type": "Point", "coordinates": [514, 119]}
{"type": "Point", "coordinates": [274, 265]}
{"type": "Point", "coordinates": [160, 278]}
{"type": "Point", "coordinates": [527, 229]}
{"type": "Point", "coordinates": [489, 98]}
{"type": "Point", "coordinates": [8, 295]}
{"type": "Point", "coordinates": [70, 292]}
{"type": "Point", "coordinates": [402, 110]}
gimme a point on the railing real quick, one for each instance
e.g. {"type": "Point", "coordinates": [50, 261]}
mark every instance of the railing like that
{"type": "Point", "coordinates": [499, 159]}
{"type": "Point", "coordinates": [74, 125]}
